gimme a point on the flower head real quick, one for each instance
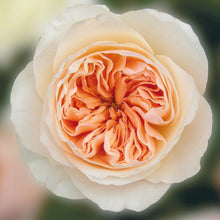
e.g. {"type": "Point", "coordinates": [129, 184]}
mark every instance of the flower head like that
{"type": "Point", "coordinates": [112, 106]}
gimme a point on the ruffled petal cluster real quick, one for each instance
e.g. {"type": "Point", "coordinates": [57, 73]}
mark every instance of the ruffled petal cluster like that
{"type": "Point", "coordinates": [111, 108]}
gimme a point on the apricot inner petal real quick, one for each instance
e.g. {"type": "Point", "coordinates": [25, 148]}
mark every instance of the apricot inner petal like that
{"type": "Point", "coordinates": [109, 103]}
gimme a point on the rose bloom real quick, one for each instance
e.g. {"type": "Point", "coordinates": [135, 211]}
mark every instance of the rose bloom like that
{"type": "Point", "coordinates": [111, 107]}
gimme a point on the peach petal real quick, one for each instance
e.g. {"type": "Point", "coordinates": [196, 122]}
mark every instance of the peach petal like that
{"type": "Point", "coordinates": [178, 41]}
{"type": "Point", "coordinates": [105, 27]}
{"type": "Point", "coordinates": [188, 94]}
{"type": "Point", "coordinates": [132, 150]}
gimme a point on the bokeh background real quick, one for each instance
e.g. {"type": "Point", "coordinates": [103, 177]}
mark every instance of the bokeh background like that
{"type": "Point", "coordinates": [21, 22]}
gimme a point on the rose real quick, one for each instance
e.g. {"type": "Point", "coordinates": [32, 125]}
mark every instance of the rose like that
{"type": "Point", "coordinates": [111, 107]}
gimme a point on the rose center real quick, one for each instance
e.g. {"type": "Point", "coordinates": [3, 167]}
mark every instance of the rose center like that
{"type": "Point", "coordinates": [107, 105]}
{"type": "Point", "coordinates": [115, 106]}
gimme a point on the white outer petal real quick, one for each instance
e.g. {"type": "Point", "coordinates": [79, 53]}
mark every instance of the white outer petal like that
{"type": "Point", "coordinates": [135, 196]}
{"type": "Point", "coordinates": [183, 161]}
{"type": "Point", "coordinates": [53, 176]}
{"type": "Point", "coordinates": [26, 109]}
{"type": "Point", "coordinates": [47, 137]}
{"type": "Point", "coordinates": [188, 99]}
{"type": "Point", "coordinates": [170, 37]}
{"type": "Point", "coordinates": [44, 55]}
{"type": "Point", "coordinates": [25, 115]}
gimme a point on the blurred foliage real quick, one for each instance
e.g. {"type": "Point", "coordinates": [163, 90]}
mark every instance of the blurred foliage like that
{"type": "Point", "coordinates": [9, 73]}
{"type": "Point", "coordinates": [197, 192]}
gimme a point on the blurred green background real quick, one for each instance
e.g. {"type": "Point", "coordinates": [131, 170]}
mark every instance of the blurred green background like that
{"type": "Point", "coordinates": [200, 192]}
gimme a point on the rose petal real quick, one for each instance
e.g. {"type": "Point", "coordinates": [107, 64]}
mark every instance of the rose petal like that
{"type": "Point", "coordinates": [26, 110]}
{"type": "Point", "coordinates": [135, 196]}
{"type": "Point", "coordinates": [120, 180]}
{"type": "Point", "coordinates": [171, 37]}
{"type": "Point", "coordinates": [54, 177]}
{"type": "Point", "coordinates": [104, 27]}
{"type": "Point", "coordinates": [183, 161]}
{"type": "Point", "coordinates": [188, 98]}
{"type": "Point", "coordinates": [44, 55]}
{"type": "Point", "coordinates": [47, 137]}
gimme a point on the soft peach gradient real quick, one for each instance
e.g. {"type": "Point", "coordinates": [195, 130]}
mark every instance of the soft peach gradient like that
{"type": "Point", "coordinates": [112, 106]}
{"type": "Point", "coordinates": [20, 195]}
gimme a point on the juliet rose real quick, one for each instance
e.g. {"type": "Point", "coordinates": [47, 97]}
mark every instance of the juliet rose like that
{"type": "Point", "coordinates": [111, 108]}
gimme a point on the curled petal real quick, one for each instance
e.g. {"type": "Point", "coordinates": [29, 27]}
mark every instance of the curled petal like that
{"type": "Point", "coordinates": [170, 37]}
{"type": "Point", "coordinates": [46, 50]}
{"type": "Point", "coordinates": [26, 111]}
{"type": "Point", "coordinates": [52, 175]}
{"type": "Point", "coordinates": [135, 196]}
{"type": "Point", "coordinates": [104, 27]}
{"type": "Point", "coordinates": [188, 150]}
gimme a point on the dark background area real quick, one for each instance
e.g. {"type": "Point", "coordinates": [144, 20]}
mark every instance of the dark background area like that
{"type": "Point", "coordinates": [199, 192]}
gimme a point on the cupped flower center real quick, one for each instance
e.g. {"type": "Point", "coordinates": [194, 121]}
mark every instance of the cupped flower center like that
{"type": "Point", "coordinates": [111, 105]}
